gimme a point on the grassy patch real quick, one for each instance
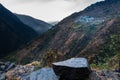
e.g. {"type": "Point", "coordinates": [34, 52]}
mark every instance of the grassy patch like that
{"type": "Point", "coordinates": [100, 66]}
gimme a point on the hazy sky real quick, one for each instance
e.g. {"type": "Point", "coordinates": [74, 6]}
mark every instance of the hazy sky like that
{"type": "Point", "coordinates": [47, 10]}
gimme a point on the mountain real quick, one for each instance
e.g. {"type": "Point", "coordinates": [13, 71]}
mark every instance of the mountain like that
{"type": "Point", "coordinates": [13, 32]}
{"type": "Point", "coordinates": [92, 33]}
{"type": "Point", "coordinates": [38, 25]}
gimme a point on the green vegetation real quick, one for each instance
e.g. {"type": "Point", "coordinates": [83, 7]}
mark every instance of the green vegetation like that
{"type": "Point", "coordinates": [11, 57]}
{"type": "Point", "coordinates": [50, 57]}
{"type": "Point", "coordinates": [26, 60]}
{"type": "Point", "coordinates": [110, 48]}
{"type": "Point", "coordinates": [100, 66]}
{"type": "Point", "coordinates": [108, 56]}
{"type": "Point", "coordinates": [77, 26]}
{"type": "Point", "coordinates": [115, 61]}
{"type": "Point", "coordinates": [110, 63]}
{"type": "Point", "coordinates": [50, 32]}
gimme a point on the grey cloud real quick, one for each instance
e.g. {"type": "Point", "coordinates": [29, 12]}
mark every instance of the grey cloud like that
{"type": "Point", "coordinates": [24, 1]}
{"type": "Point", "coordinates": [29, 1]}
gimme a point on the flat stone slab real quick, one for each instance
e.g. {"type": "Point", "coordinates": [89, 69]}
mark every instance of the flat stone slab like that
{"type": "Point", "coordinates": [73, 62]}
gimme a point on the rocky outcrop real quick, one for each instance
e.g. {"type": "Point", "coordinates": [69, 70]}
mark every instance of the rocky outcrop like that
{"type": "Point", "coordinates": [72, 69]}
{"type": "Point", "coordinates": [42, 74]}
{"type": "Point", "coordinates": [19, 72]}
{"type": "Point", "coordinates": [2, 76]}
{"type": "Point", "coordinates": [4, 67]}
{"type": "Point", "coordinates": [29, 72]}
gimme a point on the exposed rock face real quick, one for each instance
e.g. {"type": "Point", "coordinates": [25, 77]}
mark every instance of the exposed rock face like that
{"type": "Point", "coordinates": [72, 69]}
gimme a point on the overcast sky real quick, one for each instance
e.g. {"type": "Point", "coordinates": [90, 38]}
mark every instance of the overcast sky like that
{"type": "Point", "coordinates": [47, 10]}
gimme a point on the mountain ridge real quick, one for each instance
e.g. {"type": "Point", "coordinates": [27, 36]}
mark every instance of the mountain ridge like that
{"type": "Point", "coordinates": [38, 25]}
{"type": "Point", "coordinates": [14, 33]}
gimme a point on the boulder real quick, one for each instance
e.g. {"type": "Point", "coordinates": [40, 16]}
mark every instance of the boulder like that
{"type": "Point", "coordinates": [2, 67]}
{"type": "Point", "coordinates": [72, 69]}
{"type": "Point", "coordinates": [10, 66]}
{"type": "Point", "coordinates": [5, 66]}
{"type": "Point", "coordinates": [42, 74]}
{"type": "Point", "coordinates": [2, 76]}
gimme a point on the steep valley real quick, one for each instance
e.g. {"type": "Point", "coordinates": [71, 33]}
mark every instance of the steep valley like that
{"type": "Point", "coordinates": [84, 43]}
{"type": "Point", "coordinates": [91, 33]}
